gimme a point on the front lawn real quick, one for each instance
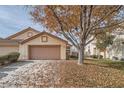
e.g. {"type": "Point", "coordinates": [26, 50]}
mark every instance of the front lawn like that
{"type": "Point", "coordinates": [108, 63]}
{"type": "Point", "coordinates": [61, 73]}
{"type": "Point", "coordinates": [93, 73]}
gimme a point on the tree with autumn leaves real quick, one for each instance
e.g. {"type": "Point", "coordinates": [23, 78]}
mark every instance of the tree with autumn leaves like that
{"type": "Point", "coordinates": [80, 24]}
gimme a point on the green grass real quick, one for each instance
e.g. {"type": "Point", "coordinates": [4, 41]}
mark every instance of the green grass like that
{"type": "Point", "coordinates": [108, 63]}
{"type": "Point", "coordinates": [105, 63]}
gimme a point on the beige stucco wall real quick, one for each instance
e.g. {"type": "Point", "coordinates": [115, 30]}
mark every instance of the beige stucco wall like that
{"type": "Point", "coordinates": [23, 49]}
{"type": "Point", "coordinates": [25, 35]}
{"type": "Point", "coordinates": [7, 49]}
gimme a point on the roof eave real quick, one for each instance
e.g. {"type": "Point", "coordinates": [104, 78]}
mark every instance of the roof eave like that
{"type": "Point", "coordinates": [35, 36]}
{"type": "Point", "coordinates": [22, 31]}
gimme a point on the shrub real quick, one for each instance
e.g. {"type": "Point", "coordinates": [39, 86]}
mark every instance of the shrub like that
{"type": "Point", "coordinates": [101, 56]}
{"type": "Point", "coordinates": [3, 59]}
{"type": "Point", "coordinates": [122, 59]}
{"type": "Point", "coordinates": [13, 56]}
{"type": "Point", "coordinates": [115, 58]}
{"type": "Point", "coordinates": [94, 56]}
{"type": "Point", "coordinates": [97, 56]}
{"type": "Point", "coordinates": [72, 56]}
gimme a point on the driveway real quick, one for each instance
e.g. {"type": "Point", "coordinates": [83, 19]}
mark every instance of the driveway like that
{"type": "Point", "coordinates": [39, 73]}
{"type": "Point", "coordinates": [5, 70]}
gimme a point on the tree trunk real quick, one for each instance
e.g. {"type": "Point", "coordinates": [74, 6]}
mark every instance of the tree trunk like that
{"type": "Point", "coordinates": [81, 56]}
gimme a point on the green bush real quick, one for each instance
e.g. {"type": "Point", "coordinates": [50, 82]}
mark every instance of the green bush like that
{"type": "Point", "coordinates": [115, 58]}
{"type": "Point", "coordinates": [97, 56]}
{"type": "Point", "coordinates": [13, 56]}
{"type": "Point", "coordinates": [101, 56]}
{"type": "Point", "coordinates": [74, 57]}
{"type": "Point", "coordinates": [94, 56]}
{"type": "Point", "coordinates": [3, 59]}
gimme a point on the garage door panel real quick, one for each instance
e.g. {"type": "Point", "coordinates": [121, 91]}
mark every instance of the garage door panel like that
{"type": "Point", "coordinates": [44, 52]}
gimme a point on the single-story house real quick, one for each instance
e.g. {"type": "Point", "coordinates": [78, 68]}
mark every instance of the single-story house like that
{"type": "Point", "coordinates": [35, 45]}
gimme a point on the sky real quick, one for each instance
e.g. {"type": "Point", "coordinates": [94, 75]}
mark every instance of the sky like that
{"type": "Point", "coordinates": [14, 19]}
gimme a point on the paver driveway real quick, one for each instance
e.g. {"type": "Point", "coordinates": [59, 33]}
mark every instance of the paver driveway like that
{"type": "Point", "coordinates": [28, 74]}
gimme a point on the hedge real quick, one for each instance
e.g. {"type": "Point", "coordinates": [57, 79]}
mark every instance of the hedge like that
{"type": "Point", "coordinates": [73, 57]}
{"type": "Point", "coordinates": [3, 59]}
{"type": "Point", "coordinates": [96, 56]}
{"type": "Point", "coordinates": [11, 57]}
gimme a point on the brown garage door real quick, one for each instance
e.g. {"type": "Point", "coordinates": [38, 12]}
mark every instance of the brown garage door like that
{"type": "Point", "coordinates": [44, 52]}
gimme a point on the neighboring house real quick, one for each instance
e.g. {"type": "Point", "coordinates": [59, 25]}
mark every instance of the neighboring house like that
{"type": "Point", "coordinates": [114, 51]}
{"type": "Point", "coordinates": [34, 45]}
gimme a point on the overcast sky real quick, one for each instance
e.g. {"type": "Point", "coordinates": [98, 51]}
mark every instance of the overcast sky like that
{"type": "Point", "coordinates": [14, 19]}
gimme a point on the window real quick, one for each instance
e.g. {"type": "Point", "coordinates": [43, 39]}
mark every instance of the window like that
{"type": "Point", "coordinates": [30, 34]}
{"type": "Point", "coordinates": [44, 39]}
